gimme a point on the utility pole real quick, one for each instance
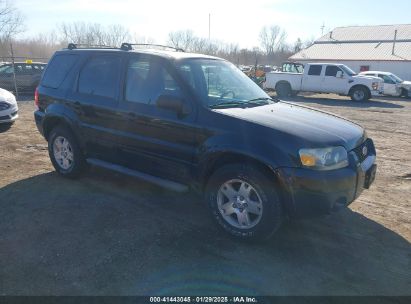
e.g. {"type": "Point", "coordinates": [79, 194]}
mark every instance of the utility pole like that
{"type": "Point", "coordinates": [322, 27]}
{"type": "Point", "coordinates": [14, 70]}
{"type": "Point", "coordinates": [209, 27]}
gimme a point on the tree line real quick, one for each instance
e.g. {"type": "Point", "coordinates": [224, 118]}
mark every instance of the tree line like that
{"type": "Point", "coordinates": [273, 48]}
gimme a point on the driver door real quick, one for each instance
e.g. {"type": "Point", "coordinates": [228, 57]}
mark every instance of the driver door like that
{"type": "Point", "coordinates": [155, 140]}
{"type": "Point", "coordinates": [334, 81]}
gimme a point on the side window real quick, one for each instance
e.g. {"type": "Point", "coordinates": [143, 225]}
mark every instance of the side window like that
{"type": "Point", "coordinates": [19, 68]}
{"type": "Point", "coordinates": [58, 69]}
{"type": "Point", "coordinates": [332, 70]}
{"type": "Point", "coordinates": [315, 70]}
{"type": "Point", "coordinates": [147, 79]}
{"type": "Point", "coordinates": [386, 79]}
{"type": "Point", "coordinates": [28, 69]}
{"type": "Point", "coordinates": [100, 76]}
{"type": "Point", "coordinates": [187, 74]}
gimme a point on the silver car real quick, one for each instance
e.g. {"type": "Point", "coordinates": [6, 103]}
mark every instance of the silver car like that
{"type": "Point", "coordinates": [8, 107]}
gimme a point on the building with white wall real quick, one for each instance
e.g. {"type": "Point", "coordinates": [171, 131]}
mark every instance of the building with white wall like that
{"type": "Point", "coordinates": [378, 48]}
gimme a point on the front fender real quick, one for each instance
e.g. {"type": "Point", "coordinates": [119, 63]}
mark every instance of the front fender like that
{"type": "Point", "coordinates": [261, 150]}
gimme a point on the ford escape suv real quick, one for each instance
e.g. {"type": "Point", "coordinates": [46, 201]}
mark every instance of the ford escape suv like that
{"type": "Point", "coordinates": [189, 121]}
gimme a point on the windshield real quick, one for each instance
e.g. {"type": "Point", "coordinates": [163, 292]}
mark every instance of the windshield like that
{"type": "Point", "coordinates": [396, 78]}
{"type": "Point", "coordinates": [218, 82]}
{"type": "Point", "coordinates": [347, 70]}
{"type": "Point", "coordinates": [5, 68]}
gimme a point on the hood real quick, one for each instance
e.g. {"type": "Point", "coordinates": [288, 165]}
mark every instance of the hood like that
{"type": "Point", "coordinates": [374, 78]}
{"type": "Point", "coordinates": [406, 84]}
{"type": "Point", "coordinates": [7, 96]}
{"type": "Point", "coordinates": [312, 128]}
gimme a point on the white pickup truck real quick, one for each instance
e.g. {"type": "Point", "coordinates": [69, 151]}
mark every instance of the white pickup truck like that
{"type": "Point", "coordinates": [323, 78]}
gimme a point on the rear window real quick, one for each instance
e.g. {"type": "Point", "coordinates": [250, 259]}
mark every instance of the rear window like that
{"type": "Point", "coordinates": [315, 70]}
{"type": "Point", "coordinates": [58, 69]}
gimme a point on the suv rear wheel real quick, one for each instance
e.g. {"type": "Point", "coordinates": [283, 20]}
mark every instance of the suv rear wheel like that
{"type": "Point", "coordinates": [65, 153]}
{"type": "Point", "coordinates": [244, 202]}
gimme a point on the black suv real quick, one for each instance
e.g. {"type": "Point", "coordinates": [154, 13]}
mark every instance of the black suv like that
{"type": "Point", "coordinates": [182, 121]}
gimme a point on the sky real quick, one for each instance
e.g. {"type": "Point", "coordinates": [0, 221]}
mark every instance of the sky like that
{"type": "Point", "coordinates": [236, 22]}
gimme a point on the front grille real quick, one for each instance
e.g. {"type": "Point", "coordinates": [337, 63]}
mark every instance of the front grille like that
{"type": "Point", "coordinates": [360, 149]}
{"type": "Point", "coordinates": [4, 117]}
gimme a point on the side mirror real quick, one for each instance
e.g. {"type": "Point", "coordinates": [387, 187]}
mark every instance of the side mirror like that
{"type": "Point", "coordinates": [340, 74]}
{"type": "Point", "coordinates": [172, 103]}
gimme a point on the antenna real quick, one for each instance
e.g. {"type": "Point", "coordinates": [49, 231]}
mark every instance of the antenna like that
{"type": "Point", "coordinates": [322, 27]}
{"type": "Point", "coordinates": [209, 26]}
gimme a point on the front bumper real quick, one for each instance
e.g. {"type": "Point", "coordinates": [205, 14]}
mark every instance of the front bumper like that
{"type": "Point", "coordinates": [312, 192]}
{"type": "Point", "coordinates": [377, 92]}
{"type": "Point", "coordinates": [9, 115]}
{"type": "Point", "coordinates": [38, 118]}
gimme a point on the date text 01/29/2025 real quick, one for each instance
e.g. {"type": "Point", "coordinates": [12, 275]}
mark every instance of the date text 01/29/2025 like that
{"type": "Point", "coordinates": [207, 299]}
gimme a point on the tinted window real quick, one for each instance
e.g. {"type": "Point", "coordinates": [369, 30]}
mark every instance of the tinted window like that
{"type": "Point", "coordinates": [332, 70]}
{"type": "Point", "coordinates": [100, 76]}
{"type": "Point", "coordinates": [58, 69]}
{"type": "Point", "coordinates": [386, 79]}
{"type": "Point", "coordinates": [147, 79]}
{"type": "Point", "coordinates": [315, 70]}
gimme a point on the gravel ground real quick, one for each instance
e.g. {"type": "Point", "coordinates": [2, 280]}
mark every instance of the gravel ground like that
{"type": "Point", "coordinates": [106, 234]}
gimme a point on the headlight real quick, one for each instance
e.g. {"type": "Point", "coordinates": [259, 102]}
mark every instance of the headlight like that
{"type": "Point", "coordinates": [324, 158]}
{"type": "Point", "coordinates": [4, 105]}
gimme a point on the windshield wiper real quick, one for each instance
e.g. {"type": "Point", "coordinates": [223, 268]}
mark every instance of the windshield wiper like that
{"type": "Point", "coordinates": [262, 100]}
{"type": "Point", "coordinates": [244, 104]}
{"type": "Point", "coordinates": [228, 104]}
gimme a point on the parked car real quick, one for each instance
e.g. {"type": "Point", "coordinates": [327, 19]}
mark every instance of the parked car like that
{"type": "Point", "coordinates": [323, 78]}
{"type": "Point", "coordinates": [27, 75]}
{"type": "Point", "coordinates": [182, 120]}
{"type": "Point", "coordinates": [8, 108]}
{"type": "Point", "coordinates": [393, 85]}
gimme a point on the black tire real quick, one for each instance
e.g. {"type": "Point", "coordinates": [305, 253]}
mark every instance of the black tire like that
{"type": "Point", "coordinates": [271, 212]}
{"type": "Point", "coordinates": [78, 163]}
{"type": "Point", "coordinates": [5, 126]}
{"type": "Point", "coordinates": [359, 94]}
{"type": "Point", "coordinates": [283, 89]}
{"type": "Point", "coordinates": [404, 93]}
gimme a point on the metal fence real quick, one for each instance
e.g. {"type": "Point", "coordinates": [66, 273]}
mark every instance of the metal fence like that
{"type": "Point", "coordinates": [21, 75]}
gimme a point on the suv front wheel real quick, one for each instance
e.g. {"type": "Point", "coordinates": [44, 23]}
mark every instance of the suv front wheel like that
{"type": "Point", "coordinates": [244, 202]}
{"type": "Point", "coordinates": [65, 153]}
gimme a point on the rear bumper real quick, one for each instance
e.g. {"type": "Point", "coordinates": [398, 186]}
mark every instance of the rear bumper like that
{"type": "Point", "coordinates": [38, 118]}
{"type": "Point", "coordinates": [311, 193]}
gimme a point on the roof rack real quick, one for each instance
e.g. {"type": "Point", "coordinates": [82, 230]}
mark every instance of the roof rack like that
{"type": "Point", "coordinates": [72, 46]}
{"type": "Point", "coordinates": [129, 46]}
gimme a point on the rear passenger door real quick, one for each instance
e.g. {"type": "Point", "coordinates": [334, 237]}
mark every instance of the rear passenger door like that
{"type": "Point", "coordinates": [312, 80]}
{"type": "Point", "coordinates": [95, 100]}
{"type": "Point", "coordinates": [154, 140]}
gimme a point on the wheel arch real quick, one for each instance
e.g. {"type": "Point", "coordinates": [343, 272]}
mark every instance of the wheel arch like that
{"type": "Point", "coordinates": [286, 82]}
{"type": "Point", "coordinates": [367, 89]}
{"type": "Point", "coordinates": [218, 160]}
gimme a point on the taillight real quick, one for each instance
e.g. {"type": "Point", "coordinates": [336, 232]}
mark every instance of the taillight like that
{"type": "Point", "coordinates": [36, 97]}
